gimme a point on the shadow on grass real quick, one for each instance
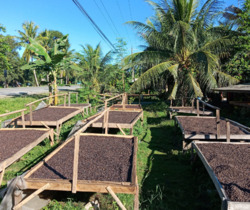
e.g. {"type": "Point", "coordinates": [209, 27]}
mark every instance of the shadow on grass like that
{"type": "Point", "coordinates": [170, 181]}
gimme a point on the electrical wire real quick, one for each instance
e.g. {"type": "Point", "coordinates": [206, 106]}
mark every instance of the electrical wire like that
{"type": "Point", "coordinates": [105, 9]}
{"type": "Point", "coordinates": [96, 27]}
{"type": "Point", "coordinates": [99, 8]}
{"type": "Point", "coordinates": [123, 19]}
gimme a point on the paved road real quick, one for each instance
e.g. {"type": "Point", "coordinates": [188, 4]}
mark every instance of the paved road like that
{"type": "Point", "coordinates": [6, 92]}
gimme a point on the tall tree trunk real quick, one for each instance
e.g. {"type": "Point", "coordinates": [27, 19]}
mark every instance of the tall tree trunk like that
{"type": "Point", "coordinates": [61, 75]}
{"type": "Point", "coordinates": [55, 88]}
{"type": "Point", "coordinates": [34, 72]}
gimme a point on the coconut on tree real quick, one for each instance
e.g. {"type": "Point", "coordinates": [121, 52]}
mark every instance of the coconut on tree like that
{"type": "Point", "coordinates": [183, 49]}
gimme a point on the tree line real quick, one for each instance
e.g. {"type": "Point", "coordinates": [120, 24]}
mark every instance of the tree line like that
{"type": "Point", "coordinates": [191, 48]}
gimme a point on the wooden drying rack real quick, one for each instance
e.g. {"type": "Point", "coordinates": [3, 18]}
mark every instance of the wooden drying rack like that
{"type": "Point", "coordinates": [82, 185]}
{"type": "Point", "coordinates": [7, 162]}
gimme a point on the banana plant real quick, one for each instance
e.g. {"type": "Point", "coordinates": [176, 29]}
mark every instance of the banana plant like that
{"type": "Point", "coordinates": [47, 61]}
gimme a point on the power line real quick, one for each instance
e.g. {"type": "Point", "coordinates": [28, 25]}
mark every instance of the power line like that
{"type": "Point", "coordinates": [105, 17]}
{"type": "Point", "coordinates": [130, 11]}
{"type": "Point", "coordinates": [96, 27]}
{"type": "Point", "coordinates": [105, 9]}
{"type": "Point", "coordinates": [123, 19]}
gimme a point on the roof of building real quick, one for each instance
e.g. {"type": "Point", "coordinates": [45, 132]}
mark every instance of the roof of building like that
{"type": "Point", "coordinates": [241, 88]}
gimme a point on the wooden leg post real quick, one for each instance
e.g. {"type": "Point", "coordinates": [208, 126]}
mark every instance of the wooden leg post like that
{"type": "Point", "coordinates": [18, 206]}
{"type": "Point", "coordinates": [18, 196]}
{"type": "Point", "coordinates": [68, 99]}
{"type": "Point", "coordinates": [2, 174]}
{"type": "Point", "coordinates": [31, 114]}
{"type": "Point", "coordinates": [75, 164]}
{"type": "Point", "coordinates": [131, 131]}
{"type": "Point", "coordinates": [121, 129]}
{"type": "Point", "coordinates": [51, 135]}
{"type": "Point", "coordinates": [218, 123]}
{"type": "Point", "coordinates": [116, 198]}
{"type": "Point", "coordinates": [107, 123]}
{"type": "Point", "coordinates": [136, 199]}
{"type": "Point", "coordinates": [64, 102]}
{"type": "Point", "coordinates": [228, 130]}
{"type": "Point", "coordinates": [198, 107]}
{"type": "Point", "coordinates": [23, 119]}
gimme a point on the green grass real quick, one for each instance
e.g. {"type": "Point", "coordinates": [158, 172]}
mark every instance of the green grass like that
{"type": "Point", "coordinates": [166, 176]}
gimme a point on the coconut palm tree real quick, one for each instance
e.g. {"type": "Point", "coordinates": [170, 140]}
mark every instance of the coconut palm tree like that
{"type": "Point", "coordinates": [29, 30]}
{"type": "Point", "coordinates": [183, 49]}
{"type": "Point", "coordinates": [92, 61]}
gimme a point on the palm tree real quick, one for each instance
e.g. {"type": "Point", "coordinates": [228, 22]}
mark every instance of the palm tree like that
{"type": "Point", "coordinates": [29, 30]}
{"type": "Point", "coordinates": [183, 49]}
{"type": "Point", "coordinates": [92, 61]}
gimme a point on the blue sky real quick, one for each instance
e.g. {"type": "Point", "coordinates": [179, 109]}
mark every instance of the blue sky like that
{"type": "Point", "coordinates": [64, 16]}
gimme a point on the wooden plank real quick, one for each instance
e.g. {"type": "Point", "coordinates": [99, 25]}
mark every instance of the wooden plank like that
{"type": "Point", "coordinates": [116, 198]}
{"type": "Point", "coordinates": [111, 135]}
{"type": "Point", "coordinates": [82, 186]}
{"type": "Point", "coordinates": [24, 150]}
{"type": "Point", "coordinates": [75, 164]}
{"type": "Point", "coordinates": [2, 173]}
{"type": "Point", "coordinates": [121, 129]}
{"type": "Point", "coordinates": [134, 163]}
{"type": "Point", "coordinates": [106, 122]}
{"type": "Point", "coordinates": [14, 112]}
{"type": "Point", "coordinates": [37, 192]}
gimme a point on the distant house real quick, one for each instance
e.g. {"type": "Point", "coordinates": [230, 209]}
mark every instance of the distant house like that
{"type": "Point", "coordinates": [238, 95]}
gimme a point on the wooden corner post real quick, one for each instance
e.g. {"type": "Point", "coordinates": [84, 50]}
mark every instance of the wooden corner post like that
{"type": "Point", "coordinates": [218, 123]}
{"type": "Point", "coordinates": [75, 163]}
{"type": "Point", "coordinates": [198, 107]}
{"type": "Point", "coordinates": [228, 130]}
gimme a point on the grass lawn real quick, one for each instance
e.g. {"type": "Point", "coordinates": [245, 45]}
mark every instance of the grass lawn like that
{"type": "Point", "coordinates": [166, 176]}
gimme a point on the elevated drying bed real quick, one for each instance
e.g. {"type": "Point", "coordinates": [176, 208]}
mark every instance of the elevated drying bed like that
{"type": "Point", "coordinates": [126, 107]}
{"type": "Point", "coordinates": [228, 167]}
{"type": "Point", "coordinates": [119, 119]}
{"type": "Point", "coordinates": [194, 127]}
{"type": "Point", "coordinates": [89, 163]}
{"type": "Point", "coordinates": [50, 116]}
{"type": "Point", "coordinates": [189, 110]}
{"type": "Point", "coordinates": [15, 142]}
